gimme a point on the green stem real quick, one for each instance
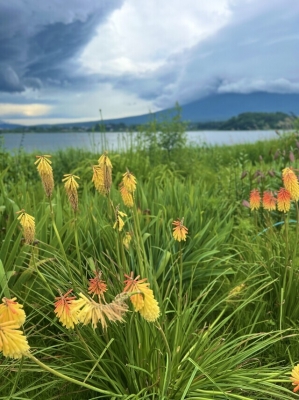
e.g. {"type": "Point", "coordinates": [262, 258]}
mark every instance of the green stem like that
{"type": "Point", "coordinates": [61, 245]}
{"type": "Point", "coordinates": [69, 379]}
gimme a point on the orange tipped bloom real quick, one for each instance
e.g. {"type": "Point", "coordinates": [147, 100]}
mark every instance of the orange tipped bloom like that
{"type": "Point", "coordinates": [179, 230]}
{"type": "Point", "coordinates": [129, 182]}
{"type": "Point", "coordinates": [290, 182]}
{"type": "Point", "coordinates": [66, 310]}
{"type": "Point", "coordinates": [255, 199]}
{"type": "Point", "coordinates": [97, 286]}
{"type": "Point", "coordinates": [11, 310]}
{"type": "Point", "coordinates": [144, 302]}
{"type": "Point", "coordinates": [126, 196]}
{"type": "Point", "coordinates": [28, 225]}
{"type": "Point", "coordinates": [13, 343]}
{"type": "Point", "coordinates": [283, 200]}
{"type": "Point", "coordinates": [71, 187]}
{"type": "Point", "coordinates": [46, 173]}
{"type": "Point", "coordinates": [269, 201]}
{"type": "Point", "coordinates": [295, 378]}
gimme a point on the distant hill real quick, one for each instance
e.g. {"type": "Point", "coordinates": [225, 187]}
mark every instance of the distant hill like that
{"type": "Point", "coordinates": [218, 107]}
{"type": "Point", "coordinates": [5, 125]}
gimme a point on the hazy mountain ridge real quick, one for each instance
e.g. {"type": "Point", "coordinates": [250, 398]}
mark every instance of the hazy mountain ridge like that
{"type": "Point", "coordinates": [218, 107]}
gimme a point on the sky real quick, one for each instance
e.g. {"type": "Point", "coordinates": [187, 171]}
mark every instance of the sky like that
{"type": "Point", "coordinates": [64, 60]}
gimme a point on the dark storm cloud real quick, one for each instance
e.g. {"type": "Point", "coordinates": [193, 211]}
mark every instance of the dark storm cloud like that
{"type": "Point", "coordinates": [38, 41]}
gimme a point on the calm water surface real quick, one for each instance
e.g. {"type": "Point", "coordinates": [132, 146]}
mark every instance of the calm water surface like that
{"type": "Point", "coordinates": [98, 142]}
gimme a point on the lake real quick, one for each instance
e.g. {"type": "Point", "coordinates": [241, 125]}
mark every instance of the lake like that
{"type": "Point", "coordinates": [98, 142]}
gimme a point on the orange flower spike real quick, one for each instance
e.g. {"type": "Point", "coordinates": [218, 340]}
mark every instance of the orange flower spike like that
{"type": "Point", "coordinates": [11, 310]}
{"type": "Point", "coordinates": [255, 200]}
{"type": "Point", "coordinates": [283, 200]}
{"type": "Point", "coordinates": [295, 378]}
{"type": "Point", "coordinates": [133, 285]}
{"type": "Point", "coordinates": [126, 196]}
{"type": "Point", "coordinates": [97, 285]}
{"type": "Point", "coordinates": [179, 230]}
{"type": "Point", "coordinates": [66, 310]}
{"type": "Point", "coordinates": [269, 201]}
{"type": "Point", "coordinates": [290, 182]}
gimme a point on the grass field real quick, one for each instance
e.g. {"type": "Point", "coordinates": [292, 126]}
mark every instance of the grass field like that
{"type": "Point", "coordinates": [219, 316]}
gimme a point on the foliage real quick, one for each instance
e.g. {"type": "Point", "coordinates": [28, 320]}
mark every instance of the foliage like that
{"type": "Point", "coordinates": [227, 295]}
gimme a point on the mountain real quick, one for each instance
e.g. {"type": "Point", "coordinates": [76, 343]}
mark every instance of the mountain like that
{"type": "Point", "coordinates": [5, 125]}
{"type": "Point", "coordinates": [220, 107]}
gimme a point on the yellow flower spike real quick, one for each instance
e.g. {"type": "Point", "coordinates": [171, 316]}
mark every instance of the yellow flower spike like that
{"type": "Point", "coordinates": [129, 182]}
{"type": "Point", "coordinates": [13, 343]}
{"type": "Point", "coordinates": [295, 378]}
{"type": "Point", "coordinates": [71, 187]}
{"type": "Point", "coordinates": [127, 240]}
{"type": "Point", "coordinates": [144, 302]}
{"type": "Point", "coordinates": [11, 310]}
{"type": "Point", "coordinates": [290, 182]}
{"type": "Point", "coordinates": [179, 231]}
{"type": "Point", "coordinates": [255, 200]}
{"type": "Point", "coordinates": [28, 225]}
{"type": "Point", "coordinates": [119, 223]}
{"type": "Point", "coordinates": [46, 173]}
{"type": "Point", "coordinates": [93, 312]}
{"type": "Point", "coordinates": [126, 196]}
{"type": "Point", "coordinates": [283, 200]}
{"type": "Point", "coordinates": [67, 309]}
{"type": "Point", "coordinates": [102, 175]}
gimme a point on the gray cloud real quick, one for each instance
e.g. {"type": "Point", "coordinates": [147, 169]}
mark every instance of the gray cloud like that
{"type": "Point", "coordinates": [39, 40]}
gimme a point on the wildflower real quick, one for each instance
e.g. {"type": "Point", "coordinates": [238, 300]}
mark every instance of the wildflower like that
{"type": "Point", "coordinates": [46, 173]}
{"type": "Point", "coordinates": [28, 225]}
{"type": "Point", "coordinates": [97, 285]}
{"type": "Point", "coordinates": [269, 201]}
{"type": "Point", "coordinates": [179, 230]}
{"type": "Point", "coordinates": [290, 182]}
{"type": "Point", "coordinates": [119, 223]}
{"type": "Point", "coordinates": [127, 240]}
{"type": "Point", "coordinates": [11, 310]}
{"type": "Point", "coordinates": [255, 199]}
{"type": "Point", "coordinates": [144, 302]}
{"type": "Point", "coordinates": [98, 312]}
{"type": "Point", "coordinates": [236, 290]}
{"type": "Point", "coordinates": [129, 181]}
{"type": "Point", "coordinates": [71, 187]}
{"type": "Point", "coordinates": [66, 310]}
{"type": "Point", "coordinates": [126, 196]}
{"type": "Point", "coordinates": [102, 175]}
{"type": "Point", "coordinates": [283, 200]}
{"type": "Point", "coordinates": [13, 343]}
{"type": "Point", "coordinates": [295, 378]}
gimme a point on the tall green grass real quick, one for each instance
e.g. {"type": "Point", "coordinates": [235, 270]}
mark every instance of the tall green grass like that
{"type": "Point", "coordinates": [228, 295]}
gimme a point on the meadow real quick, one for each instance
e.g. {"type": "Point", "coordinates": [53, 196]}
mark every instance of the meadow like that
{"type": "Point", "coordinates": [217, 316]}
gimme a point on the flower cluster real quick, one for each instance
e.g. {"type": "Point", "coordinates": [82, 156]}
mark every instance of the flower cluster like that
{"type": "Point", "coordinates": [289, 192]}
{"type": "Point", "coordinates": [28, 225]}
{"type": "Point", "coordinates": [102, 175]}
{"type": "Point", "coordinates": [179, 231]}
{"type": "Point", "coordinates": [71, 311]}
{"type": "Point", "coordinates": [46, 173]}
{"type": "Point", "coordinates": [71, 187]}
{"type": "Point", "coordinates": [13, 343]}
{"type": "Point", "coordinates": [127, 189]}
{"type": "Point", "coordinates": [143, 301]}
